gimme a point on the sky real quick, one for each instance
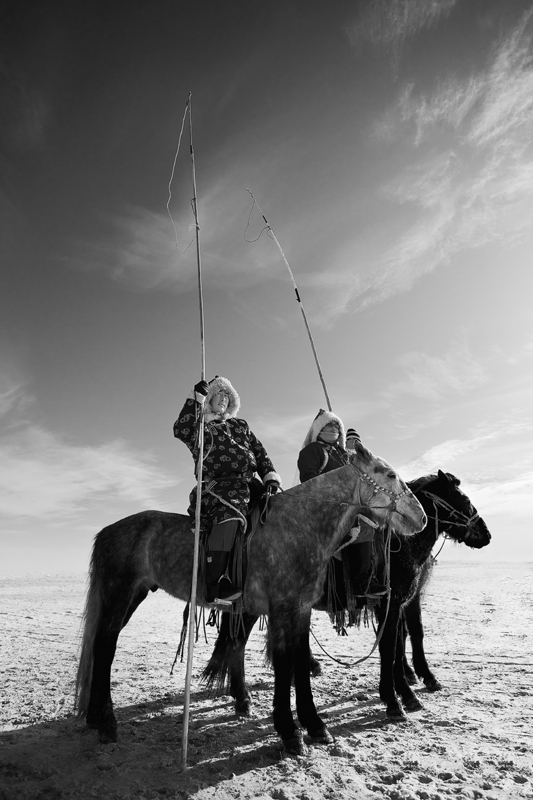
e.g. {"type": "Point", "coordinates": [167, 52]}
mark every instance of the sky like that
{"type": "Point", "coordinates": [389, 145]}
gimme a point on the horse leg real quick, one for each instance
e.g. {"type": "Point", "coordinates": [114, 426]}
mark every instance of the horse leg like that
{"type": "Point", "coordinates": [410, 676]}
{"type": "Point", "coordinates": [100, 712]}
{"type": "Point", "coordinates": [387, 651]}
{"type": "Point", "coordinates": [401, 684]}
{"type": "Point", "coordinates": [305, 706]}
{"type": "Point", "coordinates": [315, 668]}
{"type": "Point", "coordinates": [413, 616]}
{"type": "Point", "coordinates": [282, 623]}
{"type": "Point", "coordinates": [228, 659]}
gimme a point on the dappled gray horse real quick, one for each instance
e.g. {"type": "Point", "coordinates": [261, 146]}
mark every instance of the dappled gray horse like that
{"type": "Point", "coordinates": [287, 560]}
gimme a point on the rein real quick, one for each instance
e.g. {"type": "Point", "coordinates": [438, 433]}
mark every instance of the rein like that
{"type": "Point", "coordinates": [463, 522]}
{"type": "Point", "coordinates": [379, 633]}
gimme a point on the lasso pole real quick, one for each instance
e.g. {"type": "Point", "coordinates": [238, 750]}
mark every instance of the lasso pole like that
{"type": "Point", "coordinates": [194, 577]}
{"type": "Point", "coordinates": [298, 298]}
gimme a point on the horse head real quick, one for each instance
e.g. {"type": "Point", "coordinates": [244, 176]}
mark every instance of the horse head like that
{"type": "Point", "coordinates": [457, 518]}
{"type": "Point", "coordinates": [387, 497]}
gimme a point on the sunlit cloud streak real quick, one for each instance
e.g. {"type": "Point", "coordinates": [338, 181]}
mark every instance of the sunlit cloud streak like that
{"type": "Point", "coordinates": [476, 184]}
{"type": "Point", "coordinates": [44, 476]}
{"type": "Point", "coordinates": [495, 451]}
{"type": "Point", "coordinates": [140, 251]}
{"type": "Point", "coordinates": [511, 498]}
{"type": "Point", "coordinates": [434, 377]}
{"type": "Point", "coordinates": [391, 22]}
{"type": "Point", "coordinates": [13, 398]}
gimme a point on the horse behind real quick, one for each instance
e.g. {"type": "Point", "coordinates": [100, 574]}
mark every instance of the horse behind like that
{"type": "Point", "coordinates": [287, 560]}
{"type": "Point", "coordinates": [449, 512]}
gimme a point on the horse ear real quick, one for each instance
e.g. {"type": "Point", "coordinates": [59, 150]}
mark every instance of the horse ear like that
{"type": "Point", "coordinates": [449, 478]}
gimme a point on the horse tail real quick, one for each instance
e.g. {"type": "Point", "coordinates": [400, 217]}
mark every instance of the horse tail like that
{"type": "Point", "coordinates": [92, 616]}
{"type": "Point", "coordinates": [216, 672]}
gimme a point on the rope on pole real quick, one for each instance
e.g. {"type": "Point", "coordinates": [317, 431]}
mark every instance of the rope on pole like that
{"type": "Point", "coordinates": [199, 466]}
{"type": "Point", "coordinates": [298, 298]}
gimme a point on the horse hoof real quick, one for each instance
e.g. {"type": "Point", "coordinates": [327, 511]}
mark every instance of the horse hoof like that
{"type": "Point", "coordinates": [411, 680]}
{"type": "Point", "coordinates": [108, 733]}
{"type": "Point", "coordinates": [322, 737]}
{"type": "Point", "coordinates": [295, 745]}
{"type": "Point", "coordinates": [433, 685]}
{"type": "Point", "coordinates": [243, 708]}
{"type": "Point", "coordinates": [413, 705]}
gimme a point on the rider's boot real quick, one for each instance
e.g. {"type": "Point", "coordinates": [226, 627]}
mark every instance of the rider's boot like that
{"type": "Point", "coordinates": [219, 586]}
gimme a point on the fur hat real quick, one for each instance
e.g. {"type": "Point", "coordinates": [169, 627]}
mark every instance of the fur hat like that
{"type": "Point", "coordinates": [219, 384]}
{"type": "Point", "coordinates": [322, 419]}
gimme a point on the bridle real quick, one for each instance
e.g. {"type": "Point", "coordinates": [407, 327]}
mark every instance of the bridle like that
{"type": "Point", "coordinates": [377, 488]}
{"type": "Point", "coordinates": [463, 521]}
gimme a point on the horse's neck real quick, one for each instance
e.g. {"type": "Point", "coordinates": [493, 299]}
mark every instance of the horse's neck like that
{"type": "Point", "coordinates": [337, 498]}
{"type": "Point", "coordinates": [423, 542]}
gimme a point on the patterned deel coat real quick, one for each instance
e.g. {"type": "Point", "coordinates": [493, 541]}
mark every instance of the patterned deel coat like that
{"type": "Point", "coordinates": [232, 454]}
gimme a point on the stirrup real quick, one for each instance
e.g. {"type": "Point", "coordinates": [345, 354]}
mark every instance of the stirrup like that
{"type": "Point", "coordinates": [226, 603]}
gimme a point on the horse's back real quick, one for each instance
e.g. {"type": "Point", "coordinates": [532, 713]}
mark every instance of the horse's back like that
{"type": "Point", "coordinates": [150, 548]}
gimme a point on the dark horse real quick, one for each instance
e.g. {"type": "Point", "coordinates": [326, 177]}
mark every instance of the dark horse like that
{"type": "Point", "coordinates": [450, 512]}
{"type": "Point", "coordinates": [287, 561]}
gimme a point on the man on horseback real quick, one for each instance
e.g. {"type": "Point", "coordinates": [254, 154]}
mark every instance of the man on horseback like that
{"type": "Point", "coordinates": [327, 447]}
{"type": "Point", "coordinates": [232, 454]}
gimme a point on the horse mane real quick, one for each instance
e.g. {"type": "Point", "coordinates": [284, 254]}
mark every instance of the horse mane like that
{"type": "Point", "coordinates": [420, 483]}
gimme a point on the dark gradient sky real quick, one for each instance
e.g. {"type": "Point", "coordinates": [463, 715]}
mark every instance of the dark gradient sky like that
{"type": "Point", "coordinates": [388, 142]}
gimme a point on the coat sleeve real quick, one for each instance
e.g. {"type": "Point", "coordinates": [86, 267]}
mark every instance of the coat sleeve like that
{"type": "Point", "coordinates": [265, 467]}
{"type": "Point", "coordinates": [185, 425]}
{"type": "Point", "coordinates": [310, 461]}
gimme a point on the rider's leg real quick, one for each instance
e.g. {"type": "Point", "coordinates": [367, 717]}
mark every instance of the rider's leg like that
{"type": "Point", "coordinates": [219, 545]}
{"type": "Point", "coordinates": [362, 578]}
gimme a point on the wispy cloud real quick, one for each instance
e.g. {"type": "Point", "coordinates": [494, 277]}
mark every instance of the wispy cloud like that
{"type": "Point", "coordinates": [511, 498]}
{"type": "Point", "coordinates": [495, 467]}
{"type": "Point", "coordinates": [43, 476]}
{"type": "Point", "coordinates": [15, 397]}
{"type": "Point", "coordinates": [144, 250]}
{"type": "Point", "coordinates": [391, 22]}
{"type": "Point", "coordinates": [475, 183]}
{"type": "Point", "coordinates": [495, 451]}
{"type": "Point", "coordinates": [435, 377]}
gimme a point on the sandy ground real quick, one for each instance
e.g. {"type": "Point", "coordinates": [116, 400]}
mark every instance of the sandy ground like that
{"type": "Point", "coordinates": [472, 740]}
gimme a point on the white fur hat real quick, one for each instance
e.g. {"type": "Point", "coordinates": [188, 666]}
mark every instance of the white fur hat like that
{"type": "Point", "coordinates": [219, 384]}
{"type": "Point", "coordinates": [322, 419]}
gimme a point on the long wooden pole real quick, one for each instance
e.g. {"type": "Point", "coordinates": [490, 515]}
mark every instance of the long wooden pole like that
{"type": "Point", "coordinates": [194, 577]}
{"type": "Point", "coordinates": [298, 298]}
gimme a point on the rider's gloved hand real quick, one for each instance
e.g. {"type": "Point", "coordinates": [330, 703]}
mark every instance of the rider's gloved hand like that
{"type": "Point", "coordinates": [202, 387]}
{"type": "Point", "coordinates": [273, 486]}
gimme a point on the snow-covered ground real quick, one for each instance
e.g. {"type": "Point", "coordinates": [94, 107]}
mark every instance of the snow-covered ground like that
{"type": "Point", "coordinates": [473, 739]}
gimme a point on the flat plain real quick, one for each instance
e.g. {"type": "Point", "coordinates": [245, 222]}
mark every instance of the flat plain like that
{"type": "Point", "coordinates": [473, 739]}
